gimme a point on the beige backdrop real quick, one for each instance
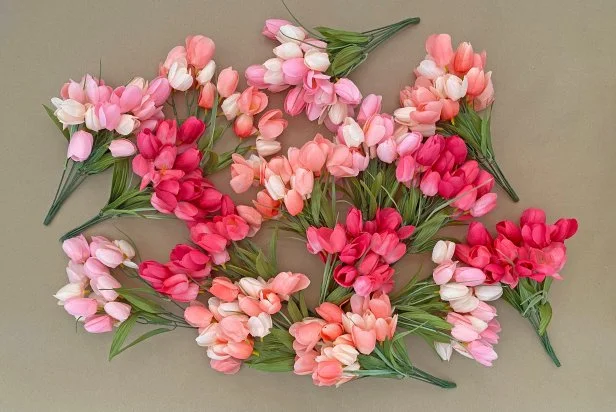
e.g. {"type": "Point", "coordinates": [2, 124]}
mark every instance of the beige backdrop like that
{"type": "Point", "coordinates": [553, 129]}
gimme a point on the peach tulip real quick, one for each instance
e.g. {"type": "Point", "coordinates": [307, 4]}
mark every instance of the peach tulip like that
{"type": "Point", "coordinates": [224, 289]}
{"type": "Point", "coordinates": [227, 81]}
{"type": "Point", "coordinates": [244, 125]}
{"type": "Point", "coordinates": [207, 95]}
{"type": "Point", "coordinates": [271, 124]}
{"type": "Point", "coordinates": [199, 50]}
{"type": "Point", "coordinates": [438, 46]}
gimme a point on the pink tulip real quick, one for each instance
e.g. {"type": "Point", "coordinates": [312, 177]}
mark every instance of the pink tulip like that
{"type": "Point", "coordinates": [294, 102]}
{"type": "Point", "coordinates": [370, 106]}
{"type": "Point", "coordinates": [484, 312]}
{"type": "Point", "coordinates": [307, 334]}
{"type": "Point", "coordinates": [462, 328]}
{"type": "Point", "coordinates": [487, 95]}
{"type": "Point", "coordinates": [252, 101]}
{"type": "Point", "coordinates": [386, 151]}
{"type": "Point", "coordinates": [80, 146]}
{"type": "Point", "coordinates": [250, 305]}
{"type": "Point", "coordinates": [118, 310]}
{"type": "Point", "coordinates": [476, 80]}
{"type": "Point", "coordinates": [77, 249]}
{"type": "Point", "coordinates": [199, 50]}
{"type": "Point", "coordinates": [469, 276]}
{"type": "Point", "coordinates": [228, 366]}
{"type": "Point", "coordinates": [105, 286]}
{"type": "Point", "coordinates": [294, 71]}
{"type": "Point", "coordinates": [483, 205]}
{"type": "Point", "coordinates": [198, 316]}
{"type": "Point", "coordinates": [347, 91]}
{"type": "Point", "coordinates": [252, 217]}
{"type": "Point", "coordinates": [444, 272]}
{"type": "Point", "coordinates": [345, 275]}
{"type": "Point", "coordinates": [405, 170]}
{"type": "Point", "coordinates": [312, 157]}
{"type": "Point", "coordinates": [109, 255]}
{"type": "Point", "coordinates": [272, 26]}
{"type": "Point", "coordinates": [122, 148]}
{"type": "Point", "coordinates": [380, 305]}
{"type": "Point", "coordinates": [244, 126]}
{"type": "Point", "coordinates": [255, 76]}
{"type": "Point", "coordinates": [303, 181]}
{"type": "Point", "coordinates": [81, 307]}
{"type": "Point", "coordinates": [224, 289]}
{"type": "Point", "coordinates": [271, 124]}
{"type": "Point", "coordinates": [464, 58]}
{"type": "Point", "coordinates": [227, 82]}
{"type": "Point", "coordinates": [287, 283]}
{"type": "Point", "coordinates": [439, 48]}
{"type": "Point", "coordinates": [364, 340]}
{"type": "Point", "coordinates": [99, 324]}
{"type": "Point", "coordinates": [482, 352]}
{"type": "Point", "coordinates": [207, 95]}
{"type": "Point", "coordinates": [305, 363]}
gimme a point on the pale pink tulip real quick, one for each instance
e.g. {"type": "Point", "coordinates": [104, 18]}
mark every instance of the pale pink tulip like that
{"type": "Point", "coordinates": [122, 148]}
{"type": "Point", "coordinates": [105, 285]}
{"type": "Point", "coordinates": [77, 249]}
{"type": "Point", "coordinates": [80, 146]}
{"type": "Point", "coordinates": [99, 324]}
{"type": "Point", "coordinates": [260, 326]}
{"type": "Point", "coordinates": [267, 147]}
{"type": "Point", "coordinates": [199, 50]}
{"type": "Point", "coordinates": [288, 51]}
{"type": "Point", "coordinates": [443, 251]}
{"type": "Point", "coordinates": [230, 107]}
{"type": "Point", "coordinates": [440, 49]}
{"type": "Point", "coordinates": [69, 291]}
{"type": "Point", "coordinates": [118, 310]}
{"type": "Point", "coordinates": [179, 77]}
{"type": "Point", "coordinates": [271, 124]}
{"type": "Point", "coordinates": [81, 307]}
{"type": "Point", "coordinates": [317, 60]}
{"type": "Point", "coordinates": [289, 33]}
{"type": "Point", "coordinates": [469, 276]}
{"type": "Point", "coordinates": [227, 81]}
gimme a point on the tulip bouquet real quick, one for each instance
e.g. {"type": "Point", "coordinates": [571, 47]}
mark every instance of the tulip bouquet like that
{"type": "Point", "coordinates": [375, 188]}
{"type": "Point", "coordinates": [449, 91]}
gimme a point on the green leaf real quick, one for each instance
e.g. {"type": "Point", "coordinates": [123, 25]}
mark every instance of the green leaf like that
{"type": "Point", "coordinates": [143, 337]}
{"type": "Point", "coordinates": [315, 203]}
{"type": "Point", "coordinates": [294, 312]}
{"type": "Point", "coordinates": [282, 364]}
{"type": "Point", "coordinates": [302, 305]}
{"type": "Point", "coordinates": [272, 250]}
{"type": "Point", "coordinates": [262, 266]}
{"type": "Point", "coordinates": [54, 119]}
{"type": "Point", "coordinates": [121, 334]}
{"type": "Point", "coordinates": [283, 337]}
{"type": "Point", "coordinates": [141, 303]}
{"type": "Point", "coordinates": [339, 295]}
{"type": "Point", "coordinates": [545, 316]}
{"type": "Point", "coordinates": [485, 132]}
{"type": "Point", "coordinates": [119, 179]}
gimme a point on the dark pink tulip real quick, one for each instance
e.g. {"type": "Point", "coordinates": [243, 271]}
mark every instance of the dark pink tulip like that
{"type": "Point", "coordinates": [355, 249]}
{"type": "Point", "coordinates": [532, 215]}
{"type": "Point", "coordinates": [478, 256]}
{"type": "Point", "coordinates": [471, 171]}
{"type": "Point", "coordinates": [154, 273]}
{"type": "Point", "coordinates": [456, 146]}
{"type": "Point", "coordinates": [368, 263]}
{"type": "Point", "coordinates": [405, 232]}
{"type": "Point", "coordinates": [536, 235]}
{"type": "Point", "coordinates": [445, 163]}
{"type": "Point", "coordinates": [388, 219]}
{"type": "Point", "coordinates": [188, 161]}
{"type": "Point", "coordinates": [484, 183]}
{"type": "Point", "coordinates": [450, 186]}
{"type": "Point", "coordinates": [430, 150]}
{"type": "Point", "coordinates": [190, 130]}
{"type": "Point", "coordinates": [354, 222]}
{"type": "Point", "coordinates": [345, 275]}
{"type": "Point", "coordinates": [509, 230]}
{"type": "Point", "coordinates": [465, 198]}
{"type": "Point", "coordinates": [563, 229]}
{"type": "Point", "coordinates": [429, 183]}
{"type": "Point", "coordinates": [477, 235]}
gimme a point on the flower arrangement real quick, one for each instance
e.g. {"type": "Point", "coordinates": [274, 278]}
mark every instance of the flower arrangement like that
{"type": "Point", "coordinates": [405, 176]}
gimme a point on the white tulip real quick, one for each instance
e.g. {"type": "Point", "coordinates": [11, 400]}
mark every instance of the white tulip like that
{"type": "Point", "coordinates": [92, 121]}
{"type": "Point", "coordinates": [251, 286]}
{"type": "Point", "coordinates": [127, 124]}
{"type": "Point", "coordinates": [443, 251]}
{"type": "Point", "coordinates": [229, 106]}
{"type": "Point", "coordinates": [345, 354]}
{"type": "Point", "coordinates": [465, 304]}
{"type": "Point", "coordinates": [288, 51]}
{"type": "Point", "coordinates": [317, 60]}
{"type": "Point", "coordinates": [71, 290]}
{"type": "Point", "coordinates": [444, 350]}
{"type": "Point", "coordinates": [290, 34]}
{"type": "Point", "coordinates": [179, 77]}
{"type": "Point", "coordinates": [428, 68]}
{"type": "Point", "coordinates": [451, 291]}
{"type": "Point", "coordinates": [208, 336]}
{"type": "Point", "coordinates": [352, 133]}
{"type": "Point", "coordinates": [275, 187]}
{"type": "Point", "coordinates": [337, 112]}
{"type": "Point", "coordinates": [69, 111]}
{"type": "Point", "coordinates": [489, 293]}
{"type": "Point", "coordinates": [403, 115]}
{"type": "Point", "coordinates": [260, 326]}
{"type": "Point", "coordinates": [206, 74]}
{"type": "Point", "coordinates": [267, 147]}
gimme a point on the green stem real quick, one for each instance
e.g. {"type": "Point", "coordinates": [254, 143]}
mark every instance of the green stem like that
{"type": "Point", "coordinates": [68, 184]}
{"type": "Point", "coordinates": [81, 228]}
{"type": "Point", "coordinates": [390, 32]}
{"type": "Point", "coordinates": [424, 376]}
{"type": "Point", "coordinates": [545, 340]}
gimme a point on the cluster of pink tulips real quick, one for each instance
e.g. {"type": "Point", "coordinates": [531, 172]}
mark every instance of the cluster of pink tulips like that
{"type": "Point", "coordinates": [90, 296]}
{"type": "Point", "coordinates": [328, 347]}
{"type": "Point", "coordinates": [238, 313]}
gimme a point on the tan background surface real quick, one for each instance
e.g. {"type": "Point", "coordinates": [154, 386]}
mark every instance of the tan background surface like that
{"type": "Point", "coordinates": [553, 64]}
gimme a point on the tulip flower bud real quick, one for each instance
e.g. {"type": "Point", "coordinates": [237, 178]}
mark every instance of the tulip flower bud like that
{"type": "Point", "coordinates": [206, 74]}
{"type": "Point", "coordinates": [251, 286]}
{"type": "Point", "coordinates": [288, 51]}
{"type": "Point", "coordinates": [122, 148]}
{"type": "Point", "coordinates": [80, 146]}
{"type": "Point", "coordinates": [71, 290]}
{"type": "Point", "coordinates": [444, 350]}
{"type": "Point", "coordinates": [290, 34]}
{"type": "Point", "coordinates": [260, 326]}
{"type": "Point", "coordinates": [452, 291]}
{"type": "Point", "coordinates": [316, 60]}
{"type": "Point", "coordinates": [443, 251]}
{"type": "Point", "coordinates": [488, 293]}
